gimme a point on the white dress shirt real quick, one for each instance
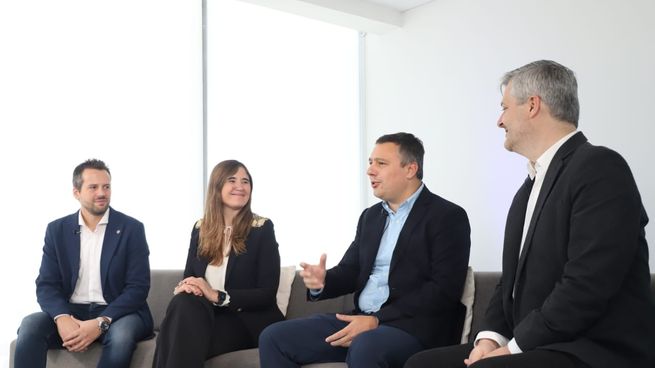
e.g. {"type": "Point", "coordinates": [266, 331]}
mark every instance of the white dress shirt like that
{"type": "Point", "coordinates": [88, 288]}
{"type": "Point", "coordinates": [215, 275]}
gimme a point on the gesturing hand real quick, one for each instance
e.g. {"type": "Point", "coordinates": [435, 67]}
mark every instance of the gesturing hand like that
{"type": "Point", "coordinates": [356, 325]}
{"type": "Point", "coordinates": [314, 275]}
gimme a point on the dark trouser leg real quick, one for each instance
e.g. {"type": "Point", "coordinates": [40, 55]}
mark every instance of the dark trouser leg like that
{"type": "Point", "coordinates": [300, 341]}
{"type": "Point", "coordinates": [382, 347]}
{"type": "Point", "coordinates": [532, 359]}
{"type": "Point", "coordinates": [120, 341]}
{"type": "Point", "coordinates": [445, 357]}
{"type": "Point", "coordinates": [453, 357]}
{"type": "Point", "coordinates": [185, 333]}
{"type": "Point", "coordinates": [230, 334]}
{"type": "Point", "coordinates": [37, 334]}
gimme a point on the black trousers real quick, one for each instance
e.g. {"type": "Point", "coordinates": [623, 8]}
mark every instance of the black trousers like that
{"type": "Point", "coordinates": [453, 357]}
{"type": "Point", "coordinates": [194, 330]}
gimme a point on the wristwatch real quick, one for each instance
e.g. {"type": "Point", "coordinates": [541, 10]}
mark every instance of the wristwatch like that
{"type": "Point", "coordinates": [103, 324]}
{"type": "Point", "coordinates": [221, 298]}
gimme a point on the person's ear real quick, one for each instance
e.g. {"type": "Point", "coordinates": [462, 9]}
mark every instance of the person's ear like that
{"type": "Point", "coordinates": [535, 105]}
{"type": "Point", "coordinates": [412, 169]}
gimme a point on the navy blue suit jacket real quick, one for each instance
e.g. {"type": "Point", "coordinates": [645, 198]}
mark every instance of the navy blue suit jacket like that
{"type": "Point", "coordinates": [427, 272]}
{"type": "Point", "coordinates": [124, 267]}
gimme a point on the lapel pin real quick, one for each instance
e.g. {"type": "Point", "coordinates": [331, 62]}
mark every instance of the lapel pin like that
{"type": "Point", "coordinates": [118, 231]}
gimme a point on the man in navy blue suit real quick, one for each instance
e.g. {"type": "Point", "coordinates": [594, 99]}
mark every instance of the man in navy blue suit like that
{"type": "Point", "coordinates": [93, 281]}
{"type": "Point", "coordinates": [406, 266]}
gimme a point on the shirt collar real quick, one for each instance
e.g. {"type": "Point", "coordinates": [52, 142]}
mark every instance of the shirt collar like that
{"type": "Point", "coordinates": [103, 221]}
{"type": "Point", "coordinates": [542, 163]}
{"type": "Point", "coordinates": [407, 205]}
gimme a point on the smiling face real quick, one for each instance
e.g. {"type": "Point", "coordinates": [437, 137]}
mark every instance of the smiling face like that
{"type": "Point", "coordinates": [235, 193]}
{"type": "Point", "coordinates": [95, 193]}
{"type": "Point", "coordinates": [515, 121]}
{"type": "Point", "coordinates": [391, 181]}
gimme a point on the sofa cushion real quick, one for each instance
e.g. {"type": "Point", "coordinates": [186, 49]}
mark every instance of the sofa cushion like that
{"type": "Point", "coordinates": [468, 297]}
{"type": "Point", "coordinates": [287, 274]}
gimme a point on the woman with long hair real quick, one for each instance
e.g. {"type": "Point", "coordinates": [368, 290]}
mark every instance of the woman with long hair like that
{"type": "Point", "coordinates": [227, 296]}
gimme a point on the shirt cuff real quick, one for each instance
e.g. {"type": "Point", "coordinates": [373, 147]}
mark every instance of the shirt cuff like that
{"type": "Point", "coordinates": [60, 315]}
{"type": "Point", "coordinates": [513, 347]}
{"type": "Point", "coordinates": [227, 300]}
{"type": "Point", "coordinates": [498, 338]}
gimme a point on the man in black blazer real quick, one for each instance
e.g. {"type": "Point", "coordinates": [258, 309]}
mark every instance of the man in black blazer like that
{"type": "Point", "coordinates": [93, 281]}
{"type": "Point", "coordinates": [575, 287]}
{"type": "Point", "coordinates": [406, 266]}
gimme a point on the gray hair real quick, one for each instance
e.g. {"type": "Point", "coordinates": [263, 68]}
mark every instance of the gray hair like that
{"type": "Point", "coordinates": [554, 83]}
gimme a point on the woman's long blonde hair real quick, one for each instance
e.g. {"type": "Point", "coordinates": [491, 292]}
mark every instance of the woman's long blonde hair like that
{"type": "Point", "coordinates": [212, 227]}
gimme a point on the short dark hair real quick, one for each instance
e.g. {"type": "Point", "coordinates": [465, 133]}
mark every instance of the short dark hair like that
{"type": "Point", "coordinates": [410, 147]}
{"type": "Point", "coordinates": [88, 164]}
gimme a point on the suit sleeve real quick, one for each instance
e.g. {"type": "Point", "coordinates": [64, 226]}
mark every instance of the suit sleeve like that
{"type": "Point", "coordinates": [494, 317]}
{"type": "Point", "coordinates": [605, 210]}
{"type": "Point", "coordinates": [192, 254]}
{"type": "Point", "coordinates": [342, 278]}
{"type": "Point", "coordinates": [137, 277]}
{"type": "Point", "coordinates": [50, 293]}
{"type": "Point", "coordinates": [449, 241]}
{"type": "Point", "coordinates": [262, 296]}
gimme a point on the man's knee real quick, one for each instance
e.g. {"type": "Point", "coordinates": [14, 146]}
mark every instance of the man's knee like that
{"type": "Point", "coordinates": [364, 348]}
{"type": "Point", "coordinates": [271, 334]}
{"type": "Point", "coordinates": [125, 332]}
{"type": "Point", "coordinates": [36, 325]}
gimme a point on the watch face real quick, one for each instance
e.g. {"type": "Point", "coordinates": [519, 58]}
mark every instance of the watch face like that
{"type": "Point", "coordinates": [104, 326]}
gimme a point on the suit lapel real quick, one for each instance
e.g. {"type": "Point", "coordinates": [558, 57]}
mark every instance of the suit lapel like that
{"type": "Point", "coordinates": [231, 261]}
{"type": "Point", "coordinates": [554, 170]}
{"type": "Point", "coordinates": [415, 215]}
{"type": "Point", "coordinates": [113, 234]}
{"type": "Point", "coordinates": [514, 232]}
{"type": "Point", "coordinates": [375, 222]}
{"type": "Point", "coordinates": [72, 241]}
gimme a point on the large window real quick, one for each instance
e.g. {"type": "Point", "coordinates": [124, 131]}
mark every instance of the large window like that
{"type": "Point", "coordinates": [122, 81]}
{"type": "Point", "coordinates": [283, 99]}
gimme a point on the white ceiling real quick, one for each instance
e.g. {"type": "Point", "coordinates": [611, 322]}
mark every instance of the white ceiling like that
{"type": "Point", "coordinates": [377, 16]}
{"type": "Point", "coordinates": [400, 5]}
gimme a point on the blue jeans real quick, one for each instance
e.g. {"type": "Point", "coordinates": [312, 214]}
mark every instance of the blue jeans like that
{"type": "Point", "coordinates": [301, 341]}
{"type": "Point", "coordinates": [38, 333]}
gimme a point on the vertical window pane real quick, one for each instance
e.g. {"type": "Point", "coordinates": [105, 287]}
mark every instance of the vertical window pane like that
{"type": "Point", "coordinates": [283, 99]}
{"type": "Point", "coordinates": [120, 81]}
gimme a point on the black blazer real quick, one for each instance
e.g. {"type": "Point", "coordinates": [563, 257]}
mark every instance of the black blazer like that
{"type": "Point", "coordinates": [251, 278]}
{"type": "Point", "coordinates": [582, 282]}
{"type": "Point", "coordinates": [427, 272]}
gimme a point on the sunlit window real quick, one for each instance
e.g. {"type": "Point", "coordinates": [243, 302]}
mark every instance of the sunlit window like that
{"type": "Point", "coordinates": [283, 99]}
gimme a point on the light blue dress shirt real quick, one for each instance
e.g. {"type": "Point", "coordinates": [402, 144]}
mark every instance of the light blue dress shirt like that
{"type": "Point", "coordinates": [376, 291]}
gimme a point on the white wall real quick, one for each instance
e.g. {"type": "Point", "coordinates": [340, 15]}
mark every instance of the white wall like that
{"type": "Point", "coordinates": [438, 78]}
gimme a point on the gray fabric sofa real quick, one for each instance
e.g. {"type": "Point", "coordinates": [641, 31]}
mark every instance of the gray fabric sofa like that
{"type": "Point", "coordinates": [163, 281]}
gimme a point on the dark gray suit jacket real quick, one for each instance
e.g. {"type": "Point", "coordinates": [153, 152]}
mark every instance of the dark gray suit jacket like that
{"type": "Point", "coordinates": [582, 280]}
